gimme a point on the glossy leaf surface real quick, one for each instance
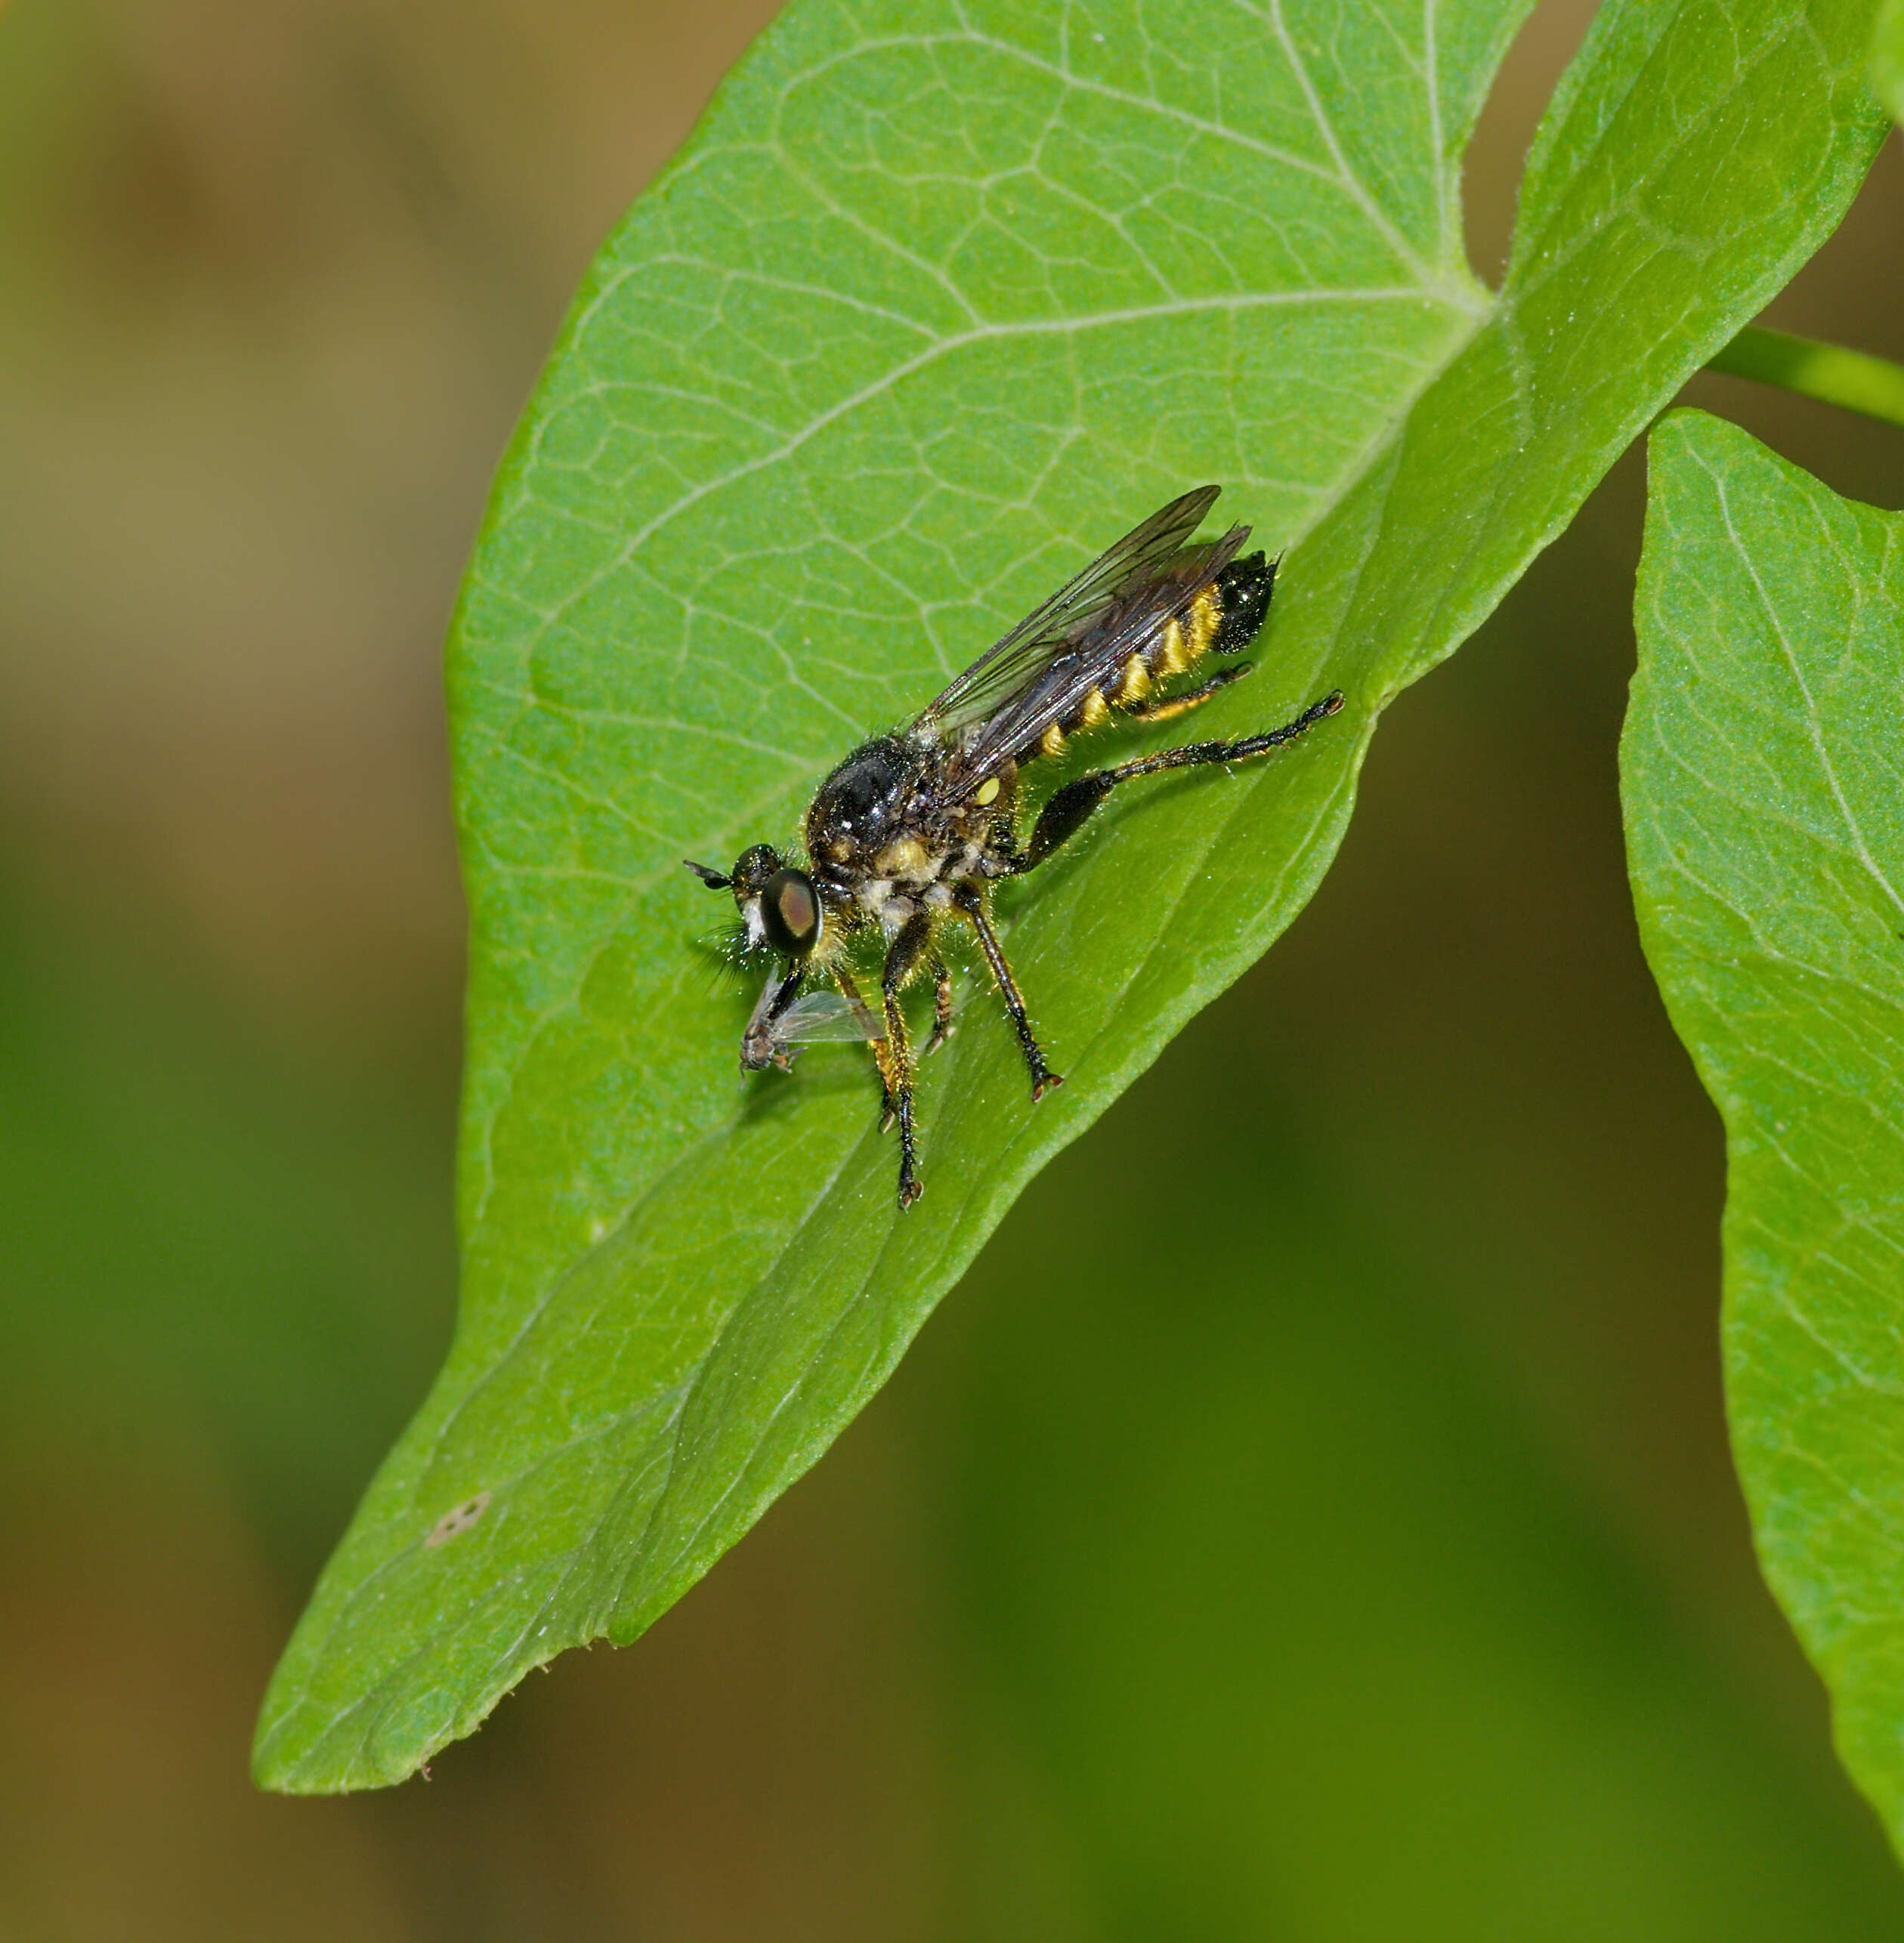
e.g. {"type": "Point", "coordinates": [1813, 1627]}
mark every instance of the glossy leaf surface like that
{"type": "Point", "coordinates": [939, 301]}
{"type": "Point", "coordinates": [1763, 765]}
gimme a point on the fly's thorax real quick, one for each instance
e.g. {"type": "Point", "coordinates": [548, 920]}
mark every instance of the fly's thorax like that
{"type": "Point", "coordinates": [860, 807]}
{"type": "Point", "coordinates": [996, 796]}
{"type": "Point", "coordinates": [909, 859]}
{"type": "Point", "coordinates": [982, 811]}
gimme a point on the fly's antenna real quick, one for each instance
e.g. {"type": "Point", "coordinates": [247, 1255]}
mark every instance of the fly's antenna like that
{"type": "Point", "coordinates": [715, 880]}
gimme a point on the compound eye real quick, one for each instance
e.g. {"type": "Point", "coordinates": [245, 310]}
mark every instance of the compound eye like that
{"type": "Point", "coordinates": [790, 909]}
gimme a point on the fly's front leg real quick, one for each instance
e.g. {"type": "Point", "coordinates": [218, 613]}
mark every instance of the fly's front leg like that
{"type": "Point", "coordinates": [942, 1007]}
{"type": "Point", "coordinates": [971, 900]}
{"type": "Point", "coordinates": [911, 944]}
{"type": "Point", "coordinates": [874, 1038]}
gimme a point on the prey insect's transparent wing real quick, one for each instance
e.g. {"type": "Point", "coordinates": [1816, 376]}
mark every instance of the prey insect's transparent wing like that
{"type": "Point", "coordinates": [826, 1015]}
{"type": "Point", "coordinates": [1006, 670]}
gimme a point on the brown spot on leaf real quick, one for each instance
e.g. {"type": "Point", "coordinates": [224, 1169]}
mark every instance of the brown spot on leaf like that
{"type": "Point", "coordinates": [457, 1519]}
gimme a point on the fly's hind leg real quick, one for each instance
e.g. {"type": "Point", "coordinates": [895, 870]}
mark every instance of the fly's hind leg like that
{"type": "Point", "coordinates": [911, 943]}
{"type": "Point", "coordinates": [971, 900]}
{"type": "Point", "coordinates": [1070, 808]}
{"type": "Point", "coordinates": [1163, 708]}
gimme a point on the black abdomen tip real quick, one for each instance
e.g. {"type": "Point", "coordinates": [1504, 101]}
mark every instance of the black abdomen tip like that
{"type": "Point", "coordinates": [1243, 592]}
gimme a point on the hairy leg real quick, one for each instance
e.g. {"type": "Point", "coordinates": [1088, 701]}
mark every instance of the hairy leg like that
{"type": "Point", "coordinates": [971, 900]}
{"type": "Point", "coordinates": [1070, 808]}
{"type": "Point", "coordinates": [911, 944]}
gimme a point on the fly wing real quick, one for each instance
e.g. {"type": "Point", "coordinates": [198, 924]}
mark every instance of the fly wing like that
{"type": "Point", "coordinates": [1092, 657]}
{"type": "Point", "coordinates": [826, 1015]}
{"type": "Point", "coordinates": [1006, 671]}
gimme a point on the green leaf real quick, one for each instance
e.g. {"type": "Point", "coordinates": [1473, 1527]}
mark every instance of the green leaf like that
{"type": "Point", "coordinates": [938, 300]}
{"type": "Point", "coordinates": [1761, 765]}
{"type": "Point", "coordinates": [1888, 57]}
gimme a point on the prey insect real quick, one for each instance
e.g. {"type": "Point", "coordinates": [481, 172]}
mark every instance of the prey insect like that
{"type": "Point", "coordinates": [910, 833]}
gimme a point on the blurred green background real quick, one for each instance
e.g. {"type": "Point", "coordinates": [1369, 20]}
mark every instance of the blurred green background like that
{"type": "Point", "coordinates": [1376, 1570]}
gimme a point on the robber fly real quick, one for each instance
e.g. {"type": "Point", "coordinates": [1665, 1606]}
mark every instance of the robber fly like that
{"type": "Point", "coordinates": [911, 833]}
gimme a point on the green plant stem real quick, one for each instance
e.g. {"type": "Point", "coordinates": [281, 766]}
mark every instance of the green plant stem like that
{"type": "Point", "coordinates": [1827, 372]}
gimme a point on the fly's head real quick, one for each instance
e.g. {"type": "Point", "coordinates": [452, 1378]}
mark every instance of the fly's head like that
{"type": "Point", "coordinates": [780, 905]}
{"type": "Point", "coordinates": [781, 912]}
